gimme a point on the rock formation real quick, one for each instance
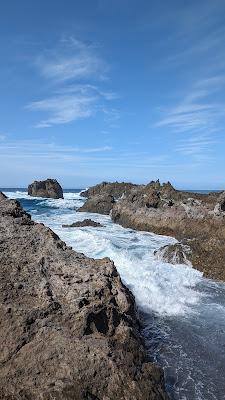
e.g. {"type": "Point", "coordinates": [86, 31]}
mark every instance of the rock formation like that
{"type": "Point", "coordinates": [69, 328]}
{"type": "Point", "coordinates": [85, 222]}
{"type": "Point", "coordinates": [196, 220]}
{"type": "Point", "coordinates": [115, 189]}
{"type": "Point", "coordinates": [49, 188]}
{"type": "Point", "coordinates": [174, 253]}
{"type": "Point", "coordinates": [101, 204]}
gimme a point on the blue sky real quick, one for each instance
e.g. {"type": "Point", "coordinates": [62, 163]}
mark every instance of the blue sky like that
{"type": "Point", "coordinates": [112, 90]}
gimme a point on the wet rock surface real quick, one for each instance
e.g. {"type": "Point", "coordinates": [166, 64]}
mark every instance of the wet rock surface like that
{"type": "Point", "coordinates": [69, 328]}
{"type": "Point", "coordinates": [49, 188]}
{"type": "Point", "coordinates": [101, 204]}
{"type": "Point", "coordinates": [174, 253]}
{"type": "Point", "coordinates": [85, 222]}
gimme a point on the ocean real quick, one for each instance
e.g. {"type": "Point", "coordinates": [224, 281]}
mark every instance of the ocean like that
{"type": "Point", "coordinates": [183, 314]}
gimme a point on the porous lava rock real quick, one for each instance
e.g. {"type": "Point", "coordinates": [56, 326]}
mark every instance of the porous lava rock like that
{"type": "Point", "coordinates": [69, 327]}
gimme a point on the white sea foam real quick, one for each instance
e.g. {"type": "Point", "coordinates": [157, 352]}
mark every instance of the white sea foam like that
{"type": "Point", "coordinates": [158, 286]}
{"type": "Point", "coordinates": [187, 344]}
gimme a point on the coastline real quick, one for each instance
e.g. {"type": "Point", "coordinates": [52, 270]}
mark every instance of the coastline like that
{"type": "Point", "coordinates": [196, 220]}
{"type": "Point", "coordinates": [72, 314]}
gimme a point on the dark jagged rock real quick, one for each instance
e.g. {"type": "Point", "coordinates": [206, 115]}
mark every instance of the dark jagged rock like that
{"type": "Point", "coordinates": [101, 204]}
{"type": "Point", "coordinates": [69, 328]}
{"type": "Point", "coordinates": [115, 189]}
{"type": "Point", "coordinates": [85, 222]}
{"type": "Point", "coordinates": [49, 188]}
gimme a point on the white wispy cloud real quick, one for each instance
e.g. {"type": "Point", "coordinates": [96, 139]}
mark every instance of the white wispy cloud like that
{"type": "Point", "coordinates": [73, 68]}
{"type": "Point", "coordinates": [200, 147]}
{"type": "Point", "coordinates": [73, 59]}
{"type": "Point", "coordinates": [199, 115]}
{"type": "Point", "coordinates": [198, 109]}
{"type": "Point", "coordinates": [31, 148]}
{"type": "Point", "coordinates": [64, 109]}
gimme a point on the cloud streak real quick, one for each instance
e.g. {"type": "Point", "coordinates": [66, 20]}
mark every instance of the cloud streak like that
{"type": "Point", "coordinates": [72, 60]}
{"type": "Point", "coordinates": [198, 109]}
{"type": "Point", "coordinates": [73, 69]}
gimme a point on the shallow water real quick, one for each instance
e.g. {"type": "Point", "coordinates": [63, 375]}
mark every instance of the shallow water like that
{"type": "Point", "coordinates": [183, 313]}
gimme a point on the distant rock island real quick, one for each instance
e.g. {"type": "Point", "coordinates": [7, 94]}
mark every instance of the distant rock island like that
{"type": "Point", "coordinates": [196, 220]}
{"type": "Point", "coordinates": [69, 327]}
{"type": "Point", "coordinates": [49, 188]}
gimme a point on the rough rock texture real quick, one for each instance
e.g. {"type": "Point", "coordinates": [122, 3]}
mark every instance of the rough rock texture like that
{"type": "Point", "coordinates": [174, 253]}
{"type": "Point", "coordinates": [194, 219]}
{"type": "Point", "coordinates": [101, 204]}
{"type": "Point", "coordinates": [115, 189]}
{"type": "Point", "coordinates": [85, 222]}
{"type": "Point", "coordinates": [69, 329]}
{"type": "Point", "coordinates": [49, 188]}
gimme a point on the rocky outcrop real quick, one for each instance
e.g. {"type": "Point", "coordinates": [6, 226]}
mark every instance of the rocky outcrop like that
{"type": "Point", "coordinates": [174, 253]}
{"type": "Point", "coordinates": [85, 222]}
{"type": "Point", "coordinates": [49, 188]}
{"type": "Point", "coordinates": [194, 219]}
{"type": "Point", "coordinates": [115, 189]}
{"type": "Point", "coordinates": [69, 327]}
{"type": "Point", "coordinates": [101, 204]}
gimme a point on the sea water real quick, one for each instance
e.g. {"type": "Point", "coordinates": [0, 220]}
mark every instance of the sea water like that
{"type": "Point", "coordinates": [183, 314]}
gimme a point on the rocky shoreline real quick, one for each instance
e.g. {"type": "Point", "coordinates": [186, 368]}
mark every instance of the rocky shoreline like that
{"type": "Point", "coordinates": [69, 327]}
{"type": "Point", "coordinates": [196, 220]}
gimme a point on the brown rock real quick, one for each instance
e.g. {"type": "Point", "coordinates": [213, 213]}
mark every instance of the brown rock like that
{"type": "Point", "coordinates": [69, 327]}
{"type": "Point", "coordinates": [115, 189]}
{"type": "Point", "coordinates": [174, 253]}
{"type": "Point", "coordinates": [85, 222]}
{"type": "Point", "coordinates": [49, 188]}
{"type": "Point", "coordinates": [101, 204]}
{"type": "Point", "coordinates": [193, 217]}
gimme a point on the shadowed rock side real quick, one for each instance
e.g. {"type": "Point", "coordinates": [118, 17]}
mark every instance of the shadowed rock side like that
{"type": "Point", "coordinates": [68, 325]}
{"type": "Point", "coordinates": [49, 188]}
{"type": "Point", "coordinates": [115, 189]}
{"type": "Point", "coordinates": [85, 222]}
{"type": "Point", "coordinates": [101, 204]}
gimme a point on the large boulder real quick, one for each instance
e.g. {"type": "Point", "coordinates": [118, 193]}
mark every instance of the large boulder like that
{"type": "Point", "coordinates": [69, 327]}
{"type": "Point", "coordinates": [101, 204]}
{"type": "Point", "coordinates": [49, 188]}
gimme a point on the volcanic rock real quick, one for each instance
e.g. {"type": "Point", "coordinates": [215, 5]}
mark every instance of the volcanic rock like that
{"type": "Point", "coordinates": [69, 327]}
{"type": "Point", "coordinates": [174, 253]}
{"type": "Point", "coordinates": [193, 217]}
{"type": "Point", "coordinates": [101, 204]}
{"type": "Point", "coordinates": [115, 189]}
{"type": "Point", "coordinates": [49, 188]}
{"type": "Point", "coordinates": [85, 222]}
